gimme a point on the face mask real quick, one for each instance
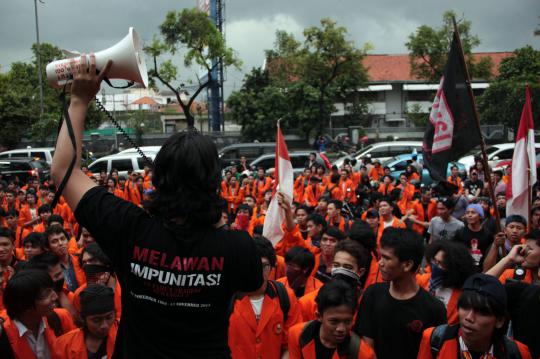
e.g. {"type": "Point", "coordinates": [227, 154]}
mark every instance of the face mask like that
{"type": "Point", "coordinates": [437, 273]}
{"type": "Point", "coordinates": [58, 285]}
{"type": "Point", "coordinates": [346, 275]}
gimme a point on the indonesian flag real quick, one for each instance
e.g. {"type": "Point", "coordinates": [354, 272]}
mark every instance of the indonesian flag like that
{"type": "Point", "coordinates": [284, 184]}
{"type": "Point", "coordinates": [523, 172]}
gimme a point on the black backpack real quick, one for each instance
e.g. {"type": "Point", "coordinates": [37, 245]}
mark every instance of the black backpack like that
{"type": "Point", "coordinates": [446, 332]}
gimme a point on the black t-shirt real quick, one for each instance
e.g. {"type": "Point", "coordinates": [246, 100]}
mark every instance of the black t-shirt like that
{"type": "Point", "coordinates": [176, 284]}
{"type": "Point", "coordinates": [322, 352]}
{"type": "Point", "coordinates": [524, 308]}
{"type": "Point", "coordinates": [395, 325]}
{"type": "Point", "coordinates": [473, 186]}
{"type": "Point", "coordinates": [478, 243]}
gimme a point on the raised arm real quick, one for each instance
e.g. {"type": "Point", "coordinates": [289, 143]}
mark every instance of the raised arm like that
{"type": "Point", "coordinates": [83, 90]}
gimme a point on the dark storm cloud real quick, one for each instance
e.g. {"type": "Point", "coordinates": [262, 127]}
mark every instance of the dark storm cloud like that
{"type": "Point", "coordinates": [85, 25]}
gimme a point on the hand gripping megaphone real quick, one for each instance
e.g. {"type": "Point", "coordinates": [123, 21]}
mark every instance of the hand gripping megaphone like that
{"type": "Point", "coordinates": [128, 62]}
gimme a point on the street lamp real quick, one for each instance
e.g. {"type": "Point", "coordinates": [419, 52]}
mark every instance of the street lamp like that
{"type": "Point", "coordinates": [39, 62]}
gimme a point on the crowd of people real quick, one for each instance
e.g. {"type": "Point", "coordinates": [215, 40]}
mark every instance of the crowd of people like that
{"type": "Point", "coordinates": [172, 263]}
{"type": "Point", "coordinates": [369, 266]}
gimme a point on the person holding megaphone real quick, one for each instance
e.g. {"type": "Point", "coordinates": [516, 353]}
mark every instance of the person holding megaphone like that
{"type": "Point", "coordinates": [177, 271]}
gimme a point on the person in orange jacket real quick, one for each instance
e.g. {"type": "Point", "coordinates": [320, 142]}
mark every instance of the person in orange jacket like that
{"type": "Point", "coordinates": [300, 185]}
{"type": "Point", "coordinates": [331, 332]}
{"type": "Point", "coordinates": [260, 321]}
{"type": "Point", "coordinates": [387, 186]}
{"type": "Point", "coordinates": [366, 235]}
{"type": "Point", "coordinates": [334, 217]}
{"type": "Point", "coordinates": [299, 264]}
{"type": "Point", "coordinates": [455, 179]}
{"type": "Point", "coordinates": [98, 335]}
{"type": "Point", "coordinates": [451, 264]}
{"type": "Point", "coordinates": [481, 329]}
{"type": "Point", "coordinates": [347, 187]}
{"type": "Point", "coordinates": [387, 218]}
{"type": "Point", "coordinates": [29, 297]}
{"type": "Point", "coordinates": [313, 192]}
{"type": "Point", "coordinates": [28, 215]}
{"type": "Point", "coordinates": [262, 184]}
{"type": "Point", "coordinates": [376, 171]}
{"type": "Point", "coordinates": [34, 245]}
{"type": "Point", "coordinates": [349, 265]}
{"type": "Point", "coordinates": [44, 212]}
{"type": "Point", "coordinates": [12, 223]}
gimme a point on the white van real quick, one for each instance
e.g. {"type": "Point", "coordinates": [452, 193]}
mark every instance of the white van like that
{"type": "Point", "coordinates": [42, 153]}
{"type": "Point", "coordinates": [383, 151]}
{"type": "Point", "coordinates": [123, 162]}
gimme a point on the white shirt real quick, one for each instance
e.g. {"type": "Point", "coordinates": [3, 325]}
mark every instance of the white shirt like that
{"type": "Point", "coordinates": [39, 345]}
{"type": "Point", "coordinates": [256, 304]}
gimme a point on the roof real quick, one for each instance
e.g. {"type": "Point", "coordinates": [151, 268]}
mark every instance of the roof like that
{"type": "Point", "coordinates": [145, 100]}
{"type": "Point", "coordinates": [384, 68]}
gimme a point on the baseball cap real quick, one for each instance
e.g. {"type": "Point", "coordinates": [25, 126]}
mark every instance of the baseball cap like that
{"type": "Point", "coordinates": [486, 285]}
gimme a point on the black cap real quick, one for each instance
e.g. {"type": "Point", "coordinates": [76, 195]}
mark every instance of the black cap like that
{"type": "Point", "coordinates": [96, 299]}
{"type": "Point", "coordinates": [488, 286]}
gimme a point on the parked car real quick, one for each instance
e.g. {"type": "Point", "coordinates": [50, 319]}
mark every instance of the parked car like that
{"type": "Point", "coordinates": [495, 153]}
{"type": "Point", "coordinates": [398, 164]}
{"type": "Point", "coordinates": [21, 168]}
{"type": "Point", "coordinates": [507, 164]}
{"type": "Point", "coordinates": [383, 151]}
{"type": "Point", "coordinates": [40, 153]}
{"type": "Point", "coordinates": [298, 161]}
{"type": "Point", "coordinates": [230, 155]}
{"type": "Point", "coordinates": [123, 162]}
{"type": "Point", "coordinates": [145, 149]}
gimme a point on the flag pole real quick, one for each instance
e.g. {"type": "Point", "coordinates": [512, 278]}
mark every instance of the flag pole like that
{"type": "Point", "coordinates": [487, 169]}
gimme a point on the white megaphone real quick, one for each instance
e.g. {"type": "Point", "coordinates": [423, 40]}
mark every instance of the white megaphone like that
{"type": "Point", "coordinates": [127, 56]}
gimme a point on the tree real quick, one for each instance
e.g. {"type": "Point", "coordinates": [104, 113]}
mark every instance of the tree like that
{"type": "Point", "coordinates": [20, 103]}
{"type": "Point", "coordinates": [428, 50]}
{"type": "Point", "coordinates": [307, 78]}
{"type": "Point", "coordinates": [416, 115]}
{"type": "Point", "coordinates": [190, 29]}
{"type": "Point", "coordinates": [503, 100]}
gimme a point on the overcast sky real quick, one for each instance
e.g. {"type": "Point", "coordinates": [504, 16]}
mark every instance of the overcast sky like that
{"type": "Point", "coordinates": [502, 25]}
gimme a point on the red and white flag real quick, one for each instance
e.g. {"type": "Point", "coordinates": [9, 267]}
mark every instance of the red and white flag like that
{"type": "Point", "coordinates": [284, 183]}
{"type": "Point", "coordinates": [523, 173]}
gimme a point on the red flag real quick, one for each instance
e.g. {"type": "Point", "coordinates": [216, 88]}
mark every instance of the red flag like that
{"type": "Point", "coordinates": [523, 172]}
{"type": "Point", "coordinates": [284, 184]}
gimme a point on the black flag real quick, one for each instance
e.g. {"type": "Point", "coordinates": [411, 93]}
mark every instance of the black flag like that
{"type": "Point", "coordinates": [451, 131]}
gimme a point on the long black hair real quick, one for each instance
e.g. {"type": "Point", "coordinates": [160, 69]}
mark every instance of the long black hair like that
{"type": "Point", "coordinates": [187, 176]}
{"type": "Point", "coordinates": [457, 260]}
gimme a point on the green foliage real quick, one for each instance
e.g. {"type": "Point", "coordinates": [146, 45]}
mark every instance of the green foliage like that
{"type": "Point", "coordinates": [415, 115]}
{"type": "Point", "coordinates": [502, 102]}
{"type": "Point", "coordinates": [20, 102]}
{"type": "Point", "coordinates": [302, 82]}
{"type": "Point", "coordinates": [191, 30]}
{"type": "Point", "coordinates": [428, 49]}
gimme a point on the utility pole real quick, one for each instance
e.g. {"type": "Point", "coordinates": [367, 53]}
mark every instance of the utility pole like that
{"type": "Point", "coordinates": [38, 50]}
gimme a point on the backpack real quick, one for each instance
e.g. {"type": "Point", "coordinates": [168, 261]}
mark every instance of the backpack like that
{"type": "Point", "coordinates": [281, 292]}
{"type": "Point", "coordinates": [309, 331]}
{"type": "Point", "coordinates": [446, 332]}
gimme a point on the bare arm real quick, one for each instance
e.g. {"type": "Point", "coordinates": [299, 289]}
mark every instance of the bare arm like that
{"type": "Point", "coordinates": [514, 257]}
{"type": "Point", "coordinates": [83, 89]}
{"type": "Point", "coordinates": [491, 257]}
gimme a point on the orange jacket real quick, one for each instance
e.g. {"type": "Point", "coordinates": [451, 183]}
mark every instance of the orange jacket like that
{"type": "Point", "coordinates": [395, 224]}
{"type": "Point", "coordinates": [66, 320]}
{"type": "Point", "coordinates": [266, 338]}
{"type": "Point", "coordinates": [299, 188]}
{"type": "Point", "coordinates": [347, 190]}
{"type": "Point", "coordinates": [376, 173]}
{"type": "Point", "coordinates": [457, 182]}
{"type": "Point", "coordinates": [73, 346]}
{"type": "Point", "coordinates": [233, 196]}
{"type": "Point", "coordinates": [417, 210]}
{"type": "Point", "coordinates": [342, 225]}
{"type": "Point", "coordinates": [373, 275]}
{"type": "Point", "coordinates": [26, 216]}
{"type": "Point", "coordinates": [312, 196]}
{"type": "Point", "coordinates": [296, 351]}
{"type": "Point", "coordinates": [450, 348]}
{"type": "Point", "coordinates": [385, 189]}
{"type": "Point", "coordinates": [261, 186]}
{"type": "Point", "coordinates": [294, 239]}
{"type": "Point", "coordinates": [19, 345]}
{"type": "Point", "coordinates": [509, 274]}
